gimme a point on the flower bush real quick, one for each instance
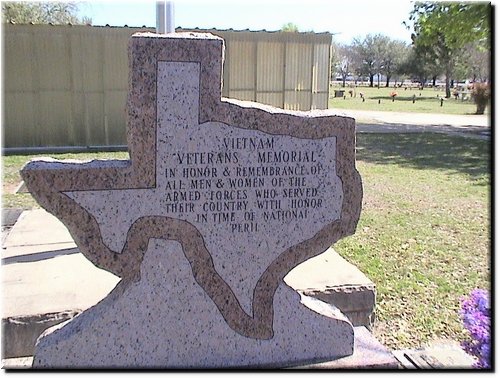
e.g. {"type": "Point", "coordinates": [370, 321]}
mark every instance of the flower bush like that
{"type": "Point", "coordinates": [476, 316]}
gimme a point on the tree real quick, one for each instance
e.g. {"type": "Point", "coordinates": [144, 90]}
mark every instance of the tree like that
{"type": "Point", "coordinates": [342, 61]}
{"type": "Point", "coordinates": [290, 27]}
{"type": "Point", "coordinates": [421, 64]}
{"type": "Point", "coordinates": [377, 54]}
{"type": "Point", "coordinates": [477, 63]}
{"type": "Point", "coordinates": [449, 27]}
{"type": "Point", "coordinates": [381, 45]}
{"type": "Point", "coordinates": [42, 13]}
{"type": "Point", "coordinates": [366, 56]}
{"type": "Point", "coordinates": [394, 53]}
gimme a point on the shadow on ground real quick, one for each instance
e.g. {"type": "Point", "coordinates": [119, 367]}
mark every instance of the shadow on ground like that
{"type": "Point", "coordinates": [428, 150]}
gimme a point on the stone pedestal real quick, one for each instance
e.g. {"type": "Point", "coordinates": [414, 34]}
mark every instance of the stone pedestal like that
{"type": "Point", "coordinates": [331, 279]}
{"type": "Point", "coordinates": [166, 320]}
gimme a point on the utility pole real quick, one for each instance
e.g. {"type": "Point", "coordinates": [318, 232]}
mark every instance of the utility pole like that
{"type": "Point", "coordinates": [165, 17]}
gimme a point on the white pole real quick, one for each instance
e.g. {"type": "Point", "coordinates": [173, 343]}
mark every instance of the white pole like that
{"type": "Point", "coordinates": [165, 17]}
{"type": "Point", "coordinates": [170, 17]}
{"type": "Point", "coordinates": [160, 17]}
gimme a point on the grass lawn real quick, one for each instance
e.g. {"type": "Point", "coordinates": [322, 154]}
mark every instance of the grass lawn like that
{"type": "Point", "coordinates": [426, 101]}
{"type": "Point", "coordinates": [424, 233]}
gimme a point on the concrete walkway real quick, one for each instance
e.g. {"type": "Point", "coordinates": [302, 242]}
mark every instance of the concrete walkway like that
{"type": "Point", "coordinates": [429, 119]}
{"type": "Point", "coordinates": [43, 271]}
{"type": "Point", "coordinates": [478, 126]}
{"type": "Point", "coordinates": [45, 281]}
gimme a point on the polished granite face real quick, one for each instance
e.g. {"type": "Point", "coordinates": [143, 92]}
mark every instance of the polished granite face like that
{"type": "Point", "coordinates": [246, 191]}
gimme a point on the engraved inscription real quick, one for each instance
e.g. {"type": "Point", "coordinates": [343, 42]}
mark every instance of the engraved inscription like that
{"type": "Point", "coordinates": [271, 185]}
{"type": "Point", "coordinates": [250, 193]}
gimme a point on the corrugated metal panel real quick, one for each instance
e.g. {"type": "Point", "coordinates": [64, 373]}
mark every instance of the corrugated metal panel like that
{"type": "Point", "coordinates": [270, 72]}
{"type": "Point", "coordinates": [321, 55]}
{"type": "Point", "coordinates": [95, 119]}
{"type": "Point", "coordinates": [298, 67]}
{"type": "Point", "coordinates": [298, 83]}
{"type": "Point", "coordinates": [54, 70]}
{"type": "Point", "coordinates": [55, 110]}
{"type": "Point", "coordinates": [296, 100]}
{"type": "Point", "coordinates": [87, 61]}
{"type": "Point", "coordinates": [20, 105]}
{"type": "Point", "coordinates": [318, 100]}
{"type": "Point", "coordinates": [270, 98]}
{"type": "Point", "coordinates": [52, 52]}
{"type": "Point", "coordinates": [19, 120]}
{"type": "Point", "coordinates": [67, 85]}
{"type": "Point", "coordinates": [270, 67]}
{"type": "Point", "coordinates": [115, 73]}
{"type": "Point", "coordinates": [320, 74]}
{"type": "Point", "coordinates": [243, 95]}
{"type": "Point", "coordinates": [19, 48]}
{"type": "Point", "coordinates": [115, 56]}
{"type": "Point", "coordinates": [115, 120]}
{"type": "Point", "coordinates": [78, 85]}
{"type": "Point", "coordinates": [240, 64]}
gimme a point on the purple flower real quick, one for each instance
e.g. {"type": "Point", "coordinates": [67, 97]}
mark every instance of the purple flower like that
{"type": "Point", "coordinates": [476, 316]}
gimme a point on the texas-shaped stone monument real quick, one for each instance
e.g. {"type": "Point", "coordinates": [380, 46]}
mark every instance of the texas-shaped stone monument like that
{"type": "Point", "coordinates": [219, 201]}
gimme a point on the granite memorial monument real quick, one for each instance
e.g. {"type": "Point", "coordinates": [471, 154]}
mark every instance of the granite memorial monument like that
{"type": "Point", "coordinates": [219, 200]}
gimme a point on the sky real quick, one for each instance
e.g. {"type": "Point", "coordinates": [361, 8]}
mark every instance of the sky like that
{"type": "Point", "coordinates": [345, 19]}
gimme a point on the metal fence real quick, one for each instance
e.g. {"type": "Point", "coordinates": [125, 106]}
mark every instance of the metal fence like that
{"type": "Point", "coordinates": [67, 85]}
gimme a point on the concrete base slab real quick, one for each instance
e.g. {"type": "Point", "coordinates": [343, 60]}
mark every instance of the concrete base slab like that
{"type": "Point", "coordinates": [19, 334]}
{"type": "Point", "coordinates": [369, 353]}
{"type": "Point", "coordinates": [37, 295]}
{"type": "Point", "coordinates": [331, 279]}
{"type": "Point", "coordinates": [36, 231]}
{"type": "Point", "coordinates": [444, 356]}
{"type": "Point", "coordinates": [68, 282]}
{"type": "Point", "coordinates": [43, 281]}
{"type": "Point", "coordinates": [21, 188]}
{"type": "Point", "coordinates": [52, 279]}
{"type": "Point", "coordinates": [10, 216]}
{"type": "Point", "coordinates": [17, 363]}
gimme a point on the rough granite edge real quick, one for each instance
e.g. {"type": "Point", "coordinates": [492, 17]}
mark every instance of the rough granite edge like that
{"type": "Point", "coordinates": [47, 184]}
